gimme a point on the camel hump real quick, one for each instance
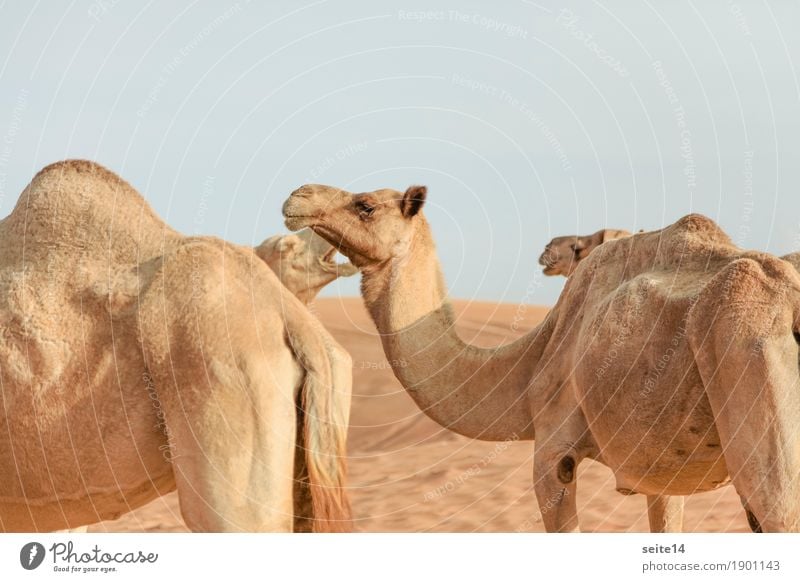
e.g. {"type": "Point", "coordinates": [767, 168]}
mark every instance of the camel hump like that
{"type": "Point", "coordinates": [79, 206]}
{"type": "Point", "coordinates": [79, 182]}
{"type": "Point", "coordinates": [701, 228]}
{"type": "Point", "coordinates": [75, 166]}
{"type": "Point", "coordinates": [68, 178]}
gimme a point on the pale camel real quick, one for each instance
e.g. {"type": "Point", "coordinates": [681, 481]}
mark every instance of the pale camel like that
{"type": "Point", "coordinates": [701, 387]}
{"type": "Point", "coordinates": [136, 361]}
{"type": "Point", "coordinates": [304, 262]}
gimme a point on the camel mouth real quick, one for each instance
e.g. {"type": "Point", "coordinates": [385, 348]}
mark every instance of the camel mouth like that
{"type": "Point", "coordinates": [295, 222]}
{"type": "Point", "coordinates": [329, 257]}
{"type": "Point", "coordinates": [547, 259]}
{"type": "Point", "coordinates": [329, 264]}
{"type": "Point", "coordinates": [550, 271]}
{"type": "Point", "coordinates": [297, 215]}
{"type": "Point", "coordinates": [335, 239]}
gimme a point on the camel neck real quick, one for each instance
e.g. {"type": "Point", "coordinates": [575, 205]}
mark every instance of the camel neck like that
{"type": "Point", "coordinates": [406, 290]}
{"type": "Point", "coordinates": [480, 393]}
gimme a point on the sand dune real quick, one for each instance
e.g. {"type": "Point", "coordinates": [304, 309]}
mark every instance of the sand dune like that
{"type": "Point", "coordinates": [409, 475]}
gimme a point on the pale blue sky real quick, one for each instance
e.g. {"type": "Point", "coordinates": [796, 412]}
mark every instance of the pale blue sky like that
{"type": "Point", "coordinates": [526, 120]}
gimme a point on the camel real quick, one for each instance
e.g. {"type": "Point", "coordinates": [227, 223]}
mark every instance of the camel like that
{"type": "Point", "coordinates": [135, 361]}
{"type": "Point", "coordinates": [303, 262]}
{"type": "Point", "coordinates": [670, 357]}
{"type": "Point", "coordinates": [562, 254]}
{"type": "Point", "coordinates": [561, 257]}
{"type": "Point", "coordinates": [304, 265]}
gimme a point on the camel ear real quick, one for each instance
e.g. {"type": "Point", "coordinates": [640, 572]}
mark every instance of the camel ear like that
{"type": "Point", "coordinates": [289, 243]}
{"type": "Point", "coordinates": [582, 247]}
{"type": "Point", "coordinates": [413, 200]}
{"type": "Point", "coordinates": [608, 234]}
{"type": "Point", "coordinates": [277, 245]}
{"type": "Point", "coordinates": [268, 247]}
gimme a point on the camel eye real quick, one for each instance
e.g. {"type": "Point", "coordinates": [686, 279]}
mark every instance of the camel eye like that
{"type": "Point", "coordinates": [364, 209]}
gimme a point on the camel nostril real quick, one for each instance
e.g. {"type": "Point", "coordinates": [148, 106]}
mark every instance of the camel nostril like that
{"type": "Point", "coordinates": [302, 192]}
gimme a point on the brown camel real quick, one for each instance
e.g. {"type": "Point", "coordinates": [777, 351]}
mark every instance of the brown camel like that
{"type": "Point", "coordinates": [670, 356]}
{"type": "Point", "coordinates": [135, 361]}
{"type": "Point", "coordinates": [562, 254]}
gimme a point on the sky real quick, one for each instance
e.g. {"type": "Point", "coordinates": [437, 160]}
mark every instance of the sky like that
{"type": "Point", "coordinates": [526, 120]}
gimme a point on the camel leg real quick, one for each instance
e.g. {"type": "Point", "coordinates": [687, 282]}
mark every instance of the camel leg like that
{"type": "Point", "coordinates": [748, 362]}
{"type": "Point", "coordinates": [232, 449]}
{"type": "Point", "coordinates": [665, 513]}
{"type": "Point", "coordinates": [761, 443]}
{"type": "Point", "coordinates": [227, 383]}
{"type": "Point", "coordinates": [752, 520]}
{"type": "Point", "coordinates": [554, 480]}
{"type": "Point", "coordinates": [303, 502]}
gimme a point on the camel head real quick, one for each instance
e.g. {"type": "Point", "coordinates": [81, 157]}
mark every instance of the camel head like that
{"type": "Point", "coordinates": [369, 228]}
{"type": "Point", "coordinates": [562, 254]}
{"type": "Point", "coordinates": [303, 262]}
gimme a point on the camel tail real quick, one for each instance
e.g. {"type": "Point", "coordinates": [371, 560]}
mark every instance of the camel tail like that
{"type": "Point", "coordinates": [323, 414]}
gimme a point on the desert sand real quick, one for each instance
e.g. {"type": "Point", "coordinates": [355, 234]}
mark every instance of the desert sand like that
{"type": "Point", "coordinates": [407, 474]}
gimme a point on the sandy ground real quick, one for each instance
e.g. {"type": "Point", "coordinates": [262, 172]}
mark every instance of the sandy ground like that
{"type": "Point", "coordinates": [409, 475]}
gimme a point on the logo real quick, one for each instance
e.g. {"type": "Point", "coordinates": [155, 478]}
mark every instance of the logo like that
{"type": "Point", "coordinates": [31, 555]}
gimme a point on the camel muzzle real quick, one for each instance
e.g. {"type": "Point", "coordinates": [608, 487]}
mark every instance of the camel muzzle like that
{"type": "Point", "coordinates": [297, 213]}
